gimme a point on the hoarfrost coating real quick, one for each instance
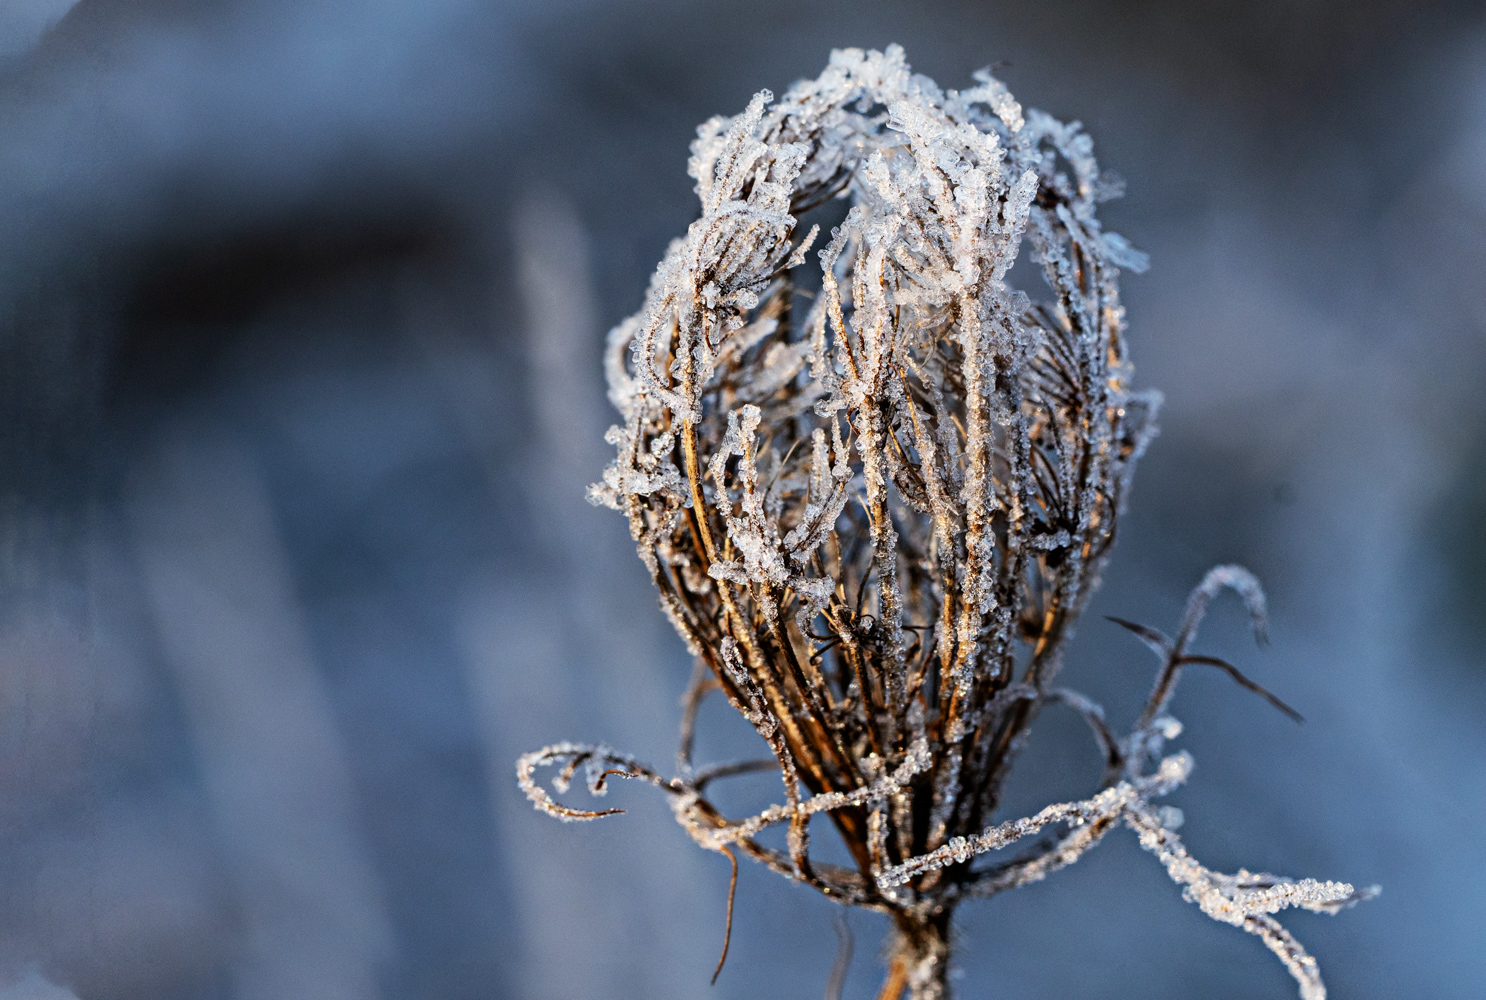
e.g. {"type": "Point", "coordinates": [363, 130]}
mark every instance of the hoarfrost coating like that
{"type": "Point", "coordinates": [875, 513]}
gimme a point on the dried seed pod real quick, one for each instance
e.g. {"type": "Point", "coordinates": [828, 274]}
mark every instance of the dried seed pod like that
{"type": "Point", "coordinates": [875, 512]}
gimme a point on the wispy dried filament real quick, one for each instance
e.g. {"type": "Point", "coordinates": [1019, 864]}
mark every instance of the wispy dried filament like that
{"type": "Point", "coordinates": [875, 512]}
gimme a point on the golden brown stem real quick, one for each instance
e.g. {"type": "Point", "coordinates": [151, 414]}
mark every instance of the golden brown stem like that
{"type": "Point", "coordinates": [897, 978]}
{"type": "Point", "coordinates": [727, 933]}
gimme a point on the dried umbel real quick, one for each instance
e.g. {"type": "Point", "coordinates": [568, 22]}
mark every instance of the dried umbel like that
{"type": "Point", "coordinates": [875, 512]}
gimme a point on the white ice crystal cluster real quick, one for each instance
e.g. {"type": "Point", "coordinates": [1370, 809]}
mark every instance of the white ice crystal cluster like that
{"type": "Point", "coordinates": [875, 509]}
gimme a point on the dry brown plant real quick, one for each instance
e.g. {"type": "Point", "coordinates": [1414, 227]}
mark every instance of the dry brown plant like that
{"type": "Point", "coordinates": [875, 513]}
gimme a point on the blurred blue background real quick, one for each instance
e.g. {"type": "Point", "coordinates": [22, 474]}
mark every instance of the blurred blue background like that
{"type": "Point", "coordinates": [300, 313]}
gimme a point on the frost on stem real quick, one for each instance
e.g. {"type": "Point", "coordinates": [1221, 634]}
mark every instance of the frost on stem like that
{"type": "Point", "coordinates": [874, 513]}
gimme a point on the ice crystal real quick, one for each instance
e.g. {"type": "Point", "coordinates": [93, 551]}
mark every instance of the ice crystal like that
{"type": "Point", "coordinates": [875, 513]}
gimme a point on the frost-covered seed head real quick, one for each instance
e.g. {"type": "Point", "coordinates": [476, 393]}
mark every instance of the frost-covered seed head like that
{"type": "Point", "coordinates": [920, 463]}
{"type": "Point", "coordinates": [874, 483]}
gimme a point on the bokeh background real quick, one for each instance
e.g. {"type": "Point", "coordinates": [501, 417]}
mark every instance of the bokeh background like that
{"type": "Point", "coordinates": [300, 310]}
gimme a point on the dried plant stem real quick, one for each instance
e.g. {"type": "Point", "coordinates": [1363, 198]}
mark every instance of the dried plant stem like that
{"type": "Point", "coordinates": [897, 978]}
{"type": "Point", "coordinates": [918, 958]}
{"type": "Point", "coordinates": [727, 933]}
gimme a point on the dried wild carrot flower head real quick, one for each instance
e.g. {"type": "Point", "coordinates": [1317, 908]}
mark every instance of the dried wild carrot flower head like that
{"type": "Point", "coordinates": [875, 511]}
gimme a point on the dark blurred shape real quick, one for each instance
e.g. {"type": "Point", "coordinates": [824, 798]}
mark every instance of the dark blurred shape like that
{"type": "Point", "coordinates": [187, 304]}
{"type": "Point", "coordinates": [1456, 532]}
